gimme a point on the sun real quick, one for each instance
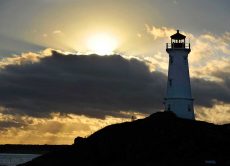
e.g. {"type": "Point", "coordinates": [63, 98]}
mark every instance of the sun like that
{"type": "Point", "coordinates": [102, 44]}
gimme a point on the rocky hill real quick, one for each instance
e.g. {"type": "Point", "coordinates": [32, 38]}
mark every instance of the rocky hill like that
{"type": "Point", "coordinates": [160, 139]}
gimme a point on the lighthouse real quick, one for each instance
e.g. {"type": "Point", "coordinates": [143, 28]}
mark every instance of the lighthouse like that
{"type": "Point", "coordinates": [178, 96]}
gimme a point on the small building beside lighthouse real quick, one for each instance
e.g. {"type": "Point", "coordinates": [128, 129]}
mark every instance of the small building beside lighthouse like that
{"type": "Point", "coordinates": [178, 97]}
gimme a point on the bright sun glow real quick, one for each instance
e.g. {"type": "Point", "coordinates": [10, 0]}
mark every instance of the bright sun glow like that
{"type": "Point", "coordinates": [102, 44]}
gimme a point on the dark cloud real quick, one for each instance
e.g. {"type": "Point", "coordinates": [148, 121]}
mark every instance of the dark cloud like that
{"type": "Point", "coordinates": [4, 125]}
{"type": "Point", "coordinates": [94, 86]}
{"type": "Point", "coordinates": [90, 85]}
{"type": "Point", "coordinates": [207, 93]}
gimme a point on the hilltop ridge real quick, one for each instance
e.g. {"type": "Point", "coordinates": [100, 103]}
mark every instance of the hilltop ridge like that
{"type": "Point", "coordinates": [160, 139]}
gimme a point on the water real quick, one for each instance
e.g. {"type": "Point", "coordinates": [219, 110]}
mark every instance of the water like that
{"type": "Point", "coordinates": [14, 159]}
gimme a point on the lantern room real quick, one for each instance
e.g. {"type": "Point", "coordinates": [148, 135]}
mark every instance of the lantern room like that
{"type": "Point", "coordinates": [178, 42]}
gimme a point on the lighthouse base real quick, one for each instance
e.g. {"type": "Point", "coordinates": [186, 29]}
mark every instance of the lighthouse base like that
{"type": "Point", "coordinates": [182, 107]}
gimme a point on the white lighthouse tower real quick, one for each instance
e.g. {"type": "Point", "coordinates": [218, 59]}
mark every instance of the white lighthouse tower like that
{"type": "Point", "coordinates": [178, 97]}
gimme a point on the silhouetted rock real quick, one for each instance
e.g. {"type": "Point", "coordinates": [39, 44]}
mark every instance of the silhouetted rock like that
{"type": "Point", "coordinates": [160, 139]}
{"type": "Point", "coordinates": [78, 140]}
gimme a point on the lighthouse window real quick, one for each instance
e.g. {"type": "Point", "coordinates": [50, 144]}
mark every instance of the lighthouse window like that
{"type": "Point", "coordinates": [171, 60]}
{"type": "Point", "coordinates": [169, 107]}
{"type": "Point", "coordinates": [185, 60]}
{"type": "Point", "coordinates": [189, 108]}
{"type": "Point", "coordinates": [170, 82]}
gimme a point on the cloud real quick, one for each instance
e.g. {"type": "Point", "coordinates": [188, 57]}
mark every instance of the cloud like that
{"type": "Point", "coordinates": [7, 124]}
{"type": "Point", "coordinates": [207, 93]}
{"type": "Point", "coordinates": [161, 32]}
{"type": "Point", "coordinates": [219, 114]}
{"type": "Point", "coordinates": [45, 35]}
{"type": "Point", "coordinates": [93, 86]}
{"type": "Point", "coordinates": [56, 129]}
{"type": "Point", "coordinates": [210, 56]}
{"type": "Point", "coordinates": [85, 85]}
{"type": "Point", "coordinates": [57, 32]}
{"type": "Point", "coordinates": [25, 58]}
{"type": "Point", "coordinates": [209, 46]}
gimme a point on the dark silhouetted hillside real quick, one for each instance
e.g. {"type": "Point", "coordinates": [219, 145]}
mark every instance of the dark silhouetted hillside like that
{"type": "Point", "coordinates": [160, 139]}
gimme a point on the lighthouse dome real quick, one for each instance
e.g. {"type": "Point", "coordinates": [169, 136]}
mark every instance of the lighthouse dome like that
{"type": "Point", "coordinates": [178, 36]}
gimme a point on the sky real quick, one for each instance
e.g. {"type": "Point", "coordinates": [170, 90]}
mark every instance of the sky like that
{"type": "Point", "coordinates": [54, 88]}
